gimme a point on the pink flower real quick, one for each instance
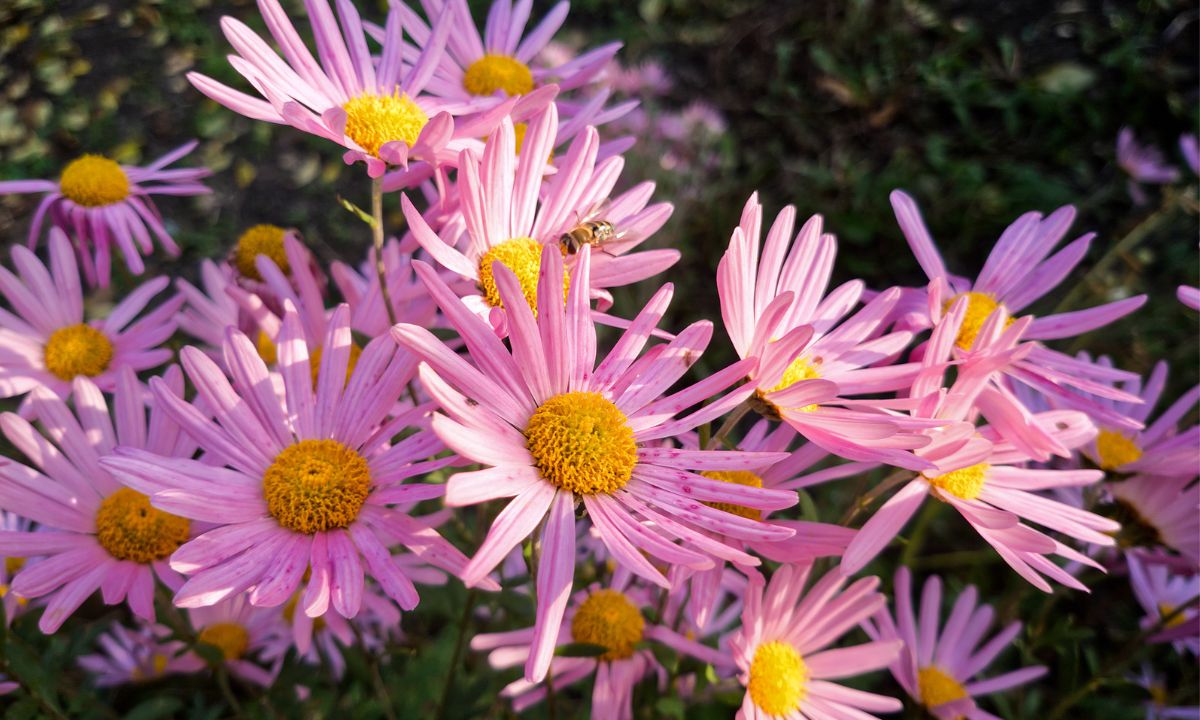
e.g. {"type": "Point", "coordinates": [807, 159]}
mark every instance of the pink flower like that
{"type": "Point", "coordinates": [984, 477]}
{"type": "Point", "coordinates": [373, 105]}
{"type": "Point", "coordinates": [241, 634]}
{"type": "Point", "coordinates": [141, 654]}
{"type": "Point", "coordinates": [295, 480]}
{"type": "Point", "coordinates": [1160, 511]}
{"type": "Point", "coordinates": [360, 289]}
{"type": "Point", "coordinates": [779, 650]}
{"type": "Point", "coordinates": [556, 428]}
{"type": "Point", "coordinates": [1163, 595]}
{"type": "Point", "coordinates": [509, 218]}
{"type": "Point", "coordinates": [93, 533]}
{"type": "Point", "coordinates": [939, 661]}
{"type": "Point", "coordinates": [101, 203]}
{"type": "Point", "coordinates": [1143, 164]}
{"type": "Point", "coordinates": [809, 354]}
{"type": "Point", "coordinates": [14, 604]}
{"type": "Point", "coordinates": [1161, 449]}
{"type": "Point", "coordinates": [45, 341]}
{"type": "Point", "coordinates": [610, 618]}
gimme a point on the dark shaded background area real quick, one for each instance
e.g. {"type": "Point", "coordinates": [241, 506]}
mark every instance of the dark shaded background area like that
{"type": "Point", "coordinates": [982, 110]}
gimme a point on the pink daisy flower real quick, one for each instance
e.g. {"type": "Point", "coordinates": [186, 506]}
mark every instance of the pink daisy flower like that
{"type": "Point", "coordinates": [780, 650]}
{"type": "Point", "coordinates": [209, 309]}
{"type": "Point", "coordinates": [14, 604]}
{"type": "Point", "coordinates": [101, 204]}
{"type": "Point", "coordinates": [939, 662]}
{"type": "Point", "coordinates": [609, 618]}
{"type": "Point", "coordinates": [373, 105]}
{"type": "Point", "coordinates": [1157, 707]}
{"type": "Point", "coordinates": [1143, 164]}
{"type": "Point", "coordinates": [509, 219]}
{"type": "Point", "coordinates": [93, 534]}
{"type": "Point", "coordinates": [1189, 296]}
{"type": "Point", "coordinates": [1161, 449]}
{"type": "Point", "coordinates": [141, 654]}
{"type": "Point", "coordinates": [360, 289]}
{"type": "Point", "coordinates": [295, 480]}
{"type": "Point", "coordinates": [1159, 512]}
{"type": "Point", "coordinates": [45, 342]}
{"type": "Point", "coordinates": [1163, 594]}
{"type": "Point", "coordinates": [984, 476]}
{"type": "Point", "coordinates": [501, 62]}
{"type": "Point", "coordinates": [242, 633]}
{"type": "Point", "coordinates": [1018, 271]}
{"type": "Point", "coordinates": [319, 640]}
{"type": "Point", "coordinates": [555, 428]}
{"type": "Point", "coordinates": [810, 354]}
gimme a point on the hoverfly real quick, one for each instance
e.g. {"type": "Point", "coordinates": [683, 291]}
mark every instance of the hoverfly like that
{"type": "Point", "coordinates": [593, 231]}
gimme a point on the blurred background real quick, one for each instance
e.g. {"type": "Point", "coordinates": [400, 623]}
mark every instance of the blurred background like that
{"type": "Point", "coordinates": [982, 110]}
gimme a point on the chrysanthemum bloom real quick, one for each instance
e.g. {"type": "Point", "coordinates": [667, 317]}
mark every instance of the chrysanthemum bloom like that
{"type": "Point", "coordinates": [360, 288]}
{"type": "Point", "coordinates": [318, 640]}
{"type": "Point", "coordinates": [141, 654]}
{"type": "Point", "coordinates": [1189, 296]}
{"type": "Point", "coordinates": [555, 428]}
{"type": "Point", "coordinates": [207, 312]}
{"type": "Point", "coordinates": [372, 104]}
{"type": "Point", "coordinates": [93, 533]}
{"type": "Point", "coordinates": [501, 62]}
{"type": "Point", "coordinates": [1144, 164]}
{"type": "Point", "coordinates": [812, 539]}
{"type": "Point", "coordinates": [1159, 512]}
{"type": "Point", "coordinates": [509, 219]}
{"type": "Point", "coordinates": [779, 650]}
{"type": "Point", "coordinates": [810, 354]}
{"type": "Point", "coordinates": [938, 663]}
{"type": "Point", "coordinates": [13, 603]}
{"type": "Point", "coordinates": [984, 476]}
{"type": "Point", "coordinates": [1019, 270]}
{"type": "Point", "coordinates": [1170, 601]}
{"type": "Point", "coordinates": [45, 341]}
{"type": "Point", "coordinates": [608, 617]}
{"type": "Point", "coordinates": [295, 481]}
{"type": "Point", "coordinates": [243, 634]}
{"type": "Point", "coordinates": [1161, 449]}
{"type": "Point", "coordinates": [1157, 707]}
{"type": "Point", "coordinates": [102, 204]}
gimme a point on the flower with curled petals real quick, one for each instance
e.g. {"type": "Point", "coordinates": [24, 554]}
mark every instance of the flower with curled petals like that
{"type": "Point", "coordinates": [1171, 602]}
{"type": "Point", "coordinates": [295, 481]}
{"type": "Point", "coordinates": [555, 428]}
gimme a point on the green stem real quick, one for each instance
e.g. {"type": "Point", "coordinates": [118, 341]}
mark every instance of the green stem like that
{"type": "Point", "coordinates": [377, 239]}
{"type": "Point", "coordinates": [385, 700]}
{"type": "Point", "coordinates": [463, 621]}
{"type": "Point", "coordinates": [920, 530]}
{"type": "Point", "coordinates": [227, 690]}
{"type": "Point", "coordinates": [730, 423]}
{"type": "Point", "coordinates": [858, 508]}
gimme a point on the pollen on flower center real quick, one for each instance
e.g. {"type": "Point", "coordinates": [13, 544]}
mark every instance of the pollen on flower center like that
{"type": "Point", "coordinates": [498, 72]}
{"type": "Point", "coordinates": [94, 181]}
{"type": "Point", "coordinates": [1115, 450]}
{"type": "Point", "coordinates": [979, 307]}
{"type": "Point", "coordinates": [737, 477]}
{"type": "Point", "coordinates": [77, 350]}
{"type": "Point", "coordinates": [580, 441]}
{"type": "Point", "coordinates": [230, 638]}
{"type": "Point", "coordinates": [607, 618]}
{"type": "Point", "coordinates": [524, 257]}
{"type": "Point", "coordinates": [965, 483]}
{"type": "Point", "coordinates": [374, 120]}
{"type": "Point", "coordinates": [129, 528]}
{"type": "Point", "coordinates": [936, 687]}
{"type": "Point", "coordinates": [260, 240]}
{"type": "Point", "coordinates": [778, 678]}
{"type": "Point", "coordinates": [316, 485]}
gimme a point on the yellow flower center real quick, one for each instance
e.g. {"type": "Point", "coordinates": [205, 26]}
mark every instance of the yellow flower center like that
{"type": "Point", "coordinates": [94, 181]}
{"type": "Point", "coordinates": [316, 485]}
{"type": "Point", "coordinates": [1165, 610]}
{"type": "Point", "coordinates": [1116, 449]}
{"type": "Point", "coordinates": [778, 678]}
{"type": "Point", "coordinates": [13, 564]}
{"type": "Point", "coordinates": [260, 240]}
{"type": "Point", "coordinates": [373, 120]}
{"type": "Point", "coordinates": [965, 483]}
{"type": "Point", "coordinates": [799, 369]}
{"type": "Point", "coordinates": [979, 307]}
{"type": "Point", "coordinates": [77, 350]}
{"type": "Point", "coordinates": [524, 257]}
{"type": "Point", "coordinates": [1158, 694]}
{"type": "Point", "coordinates": [266, 349]}
{"type": "Point", "coordinates": [607, 618]}
{"type": "Point", "coordinates": [314, 362]}
{"type": "Point", "coordinates": [582, 442]}
{"type": "Point", "coordinates": [129, 528]}
{"type": "Point", "coordinates": [737, 477]}
{"type": "Point", "coordinates": [230, 638]}
{"type": "Point", "coordinates": [498, 72]}
{"type": "Point", "coordinates": [936, 687]}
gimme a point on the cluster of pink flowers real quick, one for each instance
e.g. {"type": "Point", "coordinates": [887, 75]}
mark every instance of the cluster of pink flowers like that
{"type": "Point", "coordinates": [287, 476]}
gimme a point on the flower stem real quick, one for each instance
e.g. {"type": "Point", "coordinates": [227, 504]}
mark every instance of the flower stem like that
{"type": "Point", "coordinates": [865, 502]}
{"type": "Point", "coordinates": [377, 240]}
{"type": "Point", "coordinates": [463, 621]}
{"type": "Point", "coordinates": [727, 427]}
